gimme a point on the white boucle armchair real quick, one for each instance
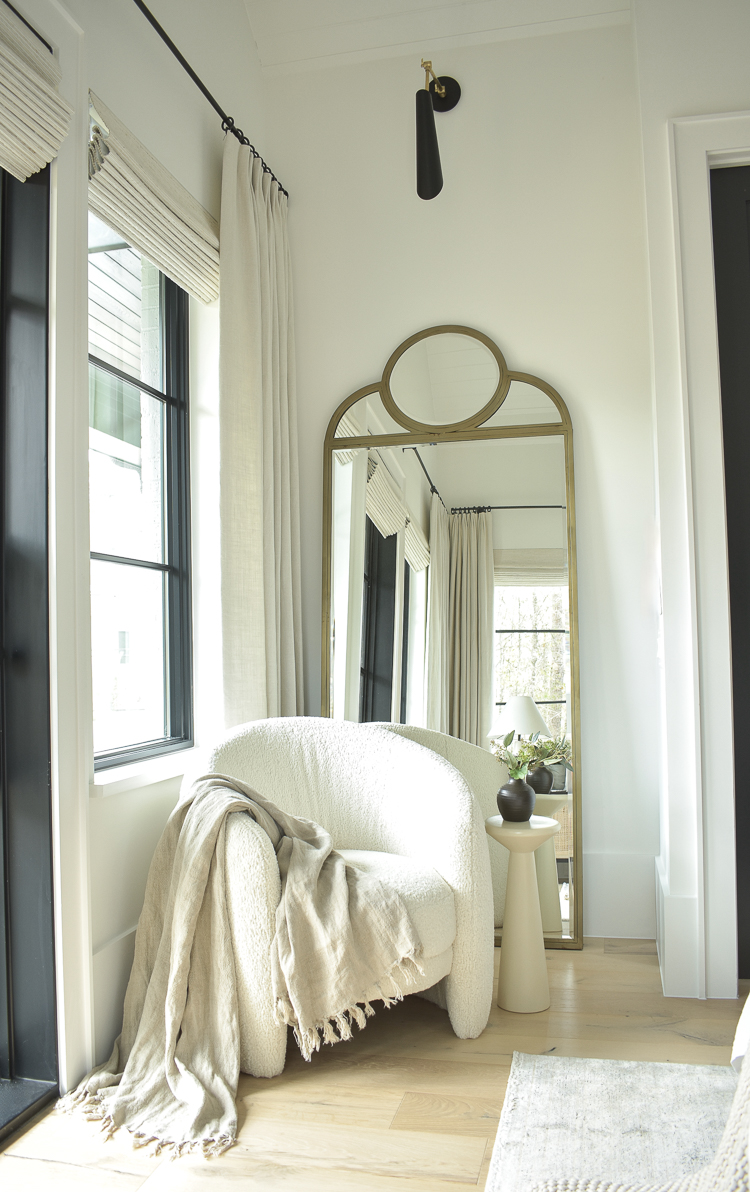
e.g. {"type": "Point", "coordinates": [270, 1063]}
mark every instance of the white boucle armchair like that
{"type": "Point", "coordinates": [485, 774]}
{"type": "Point", "coordinates": [391, 807]}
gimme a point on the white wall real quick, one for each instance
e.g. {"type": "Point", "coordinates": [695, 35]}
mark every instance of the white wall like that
{"type": "Point", "coordinates": [538, 240]}
{"type": "Point", "coordinates": [692, 61]}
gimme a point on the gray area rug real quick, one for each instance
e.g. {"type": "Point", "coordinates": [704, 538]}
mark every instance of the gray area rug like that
{"type": "Point", "coordinates": [607, 1119]}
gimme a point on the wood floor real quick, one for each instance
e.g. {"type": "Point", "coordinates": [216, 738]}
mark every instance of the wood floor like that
{"type": "Point", "coordinates": [405, 1106]}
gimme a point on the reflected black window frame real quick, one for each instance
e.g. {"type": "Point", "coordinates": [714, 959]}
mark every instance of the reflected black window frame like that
{"type": "Point", "coordinates": [178, 662]}
{"type": "Point", "coordinates": [515, 632]}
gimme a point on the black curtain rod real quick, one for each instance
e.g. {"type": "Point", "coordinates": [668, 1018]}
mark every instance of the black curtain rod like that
{"type": "Point", "coordinates": [227, 122]}
{"type": "Point", "coordinates": [470, 508]}
{"type": "Point", "coordinates": [433, 489]}
{"type": "Point", "coordinates": [489, 508]}
{"type": "Point", "coordinates": [28, 26]}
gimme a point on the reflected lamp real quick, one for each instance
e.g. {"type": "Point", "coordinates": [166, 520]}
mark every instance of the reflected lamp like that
{"type": "Point", "coordinates": [520, 714]}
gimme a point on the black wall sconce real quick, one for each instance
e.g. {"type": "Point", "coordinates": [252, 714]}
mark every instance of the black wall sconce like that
{"type": "Point", "coordinates": [437, 95]}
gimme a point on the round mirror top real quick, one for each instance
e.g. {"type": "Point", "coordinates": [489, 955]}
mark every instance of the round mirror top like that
{"type": "Point", "coordinates": [444, 378]}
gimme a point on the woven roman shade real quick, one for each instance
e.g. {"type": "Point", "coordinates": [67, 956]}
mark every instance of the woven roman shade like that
{"type": "Point", "coordinates": [34, 119]}
{"type": "Point", "coordinates": [532, 567]}
{"type": "Point", "coordinates": [348, 428]}
{"type": "Point", "coordinates": [387, 510]}
{"type": "Point", "coordinates": [136, 196]}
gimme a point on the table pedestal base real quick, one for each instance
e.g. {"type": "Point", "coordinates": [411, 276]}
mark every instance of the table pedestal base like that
{"type": "Point", "coordinates": [549, 890]}
{"type": "Point", "coordinates": [523, 985]}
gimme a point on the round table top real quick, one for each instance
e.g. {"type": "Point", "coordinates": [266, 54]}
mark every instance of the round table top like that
{"type": "Point", "coordinates": [548, 804]}
{"type": "Point", "coordinates": [523, 837]}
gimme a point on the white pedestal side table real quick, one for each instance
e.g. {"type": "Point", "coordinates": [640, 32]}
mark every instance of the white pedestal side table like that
{"type": "Point", "coordinates": [546, 863]}
{"type": "Point", "coordinates": [523, 985]}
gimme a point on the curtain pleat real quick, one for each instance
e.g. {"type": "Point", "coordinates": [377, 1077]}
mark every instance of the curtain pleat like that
{"type": "Point", "coordinates": [460, 644]}
{"type": "Point", "coordinates": [34, 119]}
{"type": "Point", "coordinates": [136, 196]}
{"type": "Point", "coordinates": [260, 569]}
{"type": "Point", "coordinates": [438, 620]}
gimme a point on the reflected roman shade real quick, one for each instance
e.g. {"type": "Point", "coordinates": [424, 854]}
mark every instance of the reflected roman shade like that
{"type": "Point", "coordinates": [533, 567]}
{"type": "Point", "coordinates": [34, 119]}
{"type": "Point", "coordinates": [348, 428]}
{"type": "Point", "coordinates": [136, 196]}
{"type": "Point", "coordinates": [387, 510]}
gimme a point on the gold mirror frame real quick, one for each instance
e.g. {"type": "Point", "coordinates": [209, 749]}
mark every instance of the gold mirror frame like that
{"type": "Point", "coordinates": [469, 430]}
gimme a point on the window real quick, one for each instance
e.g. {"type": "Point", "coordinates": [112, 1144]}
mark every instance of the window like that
{"type": "Point", "coordinates": [139, 504]}
{"type": "Point", "coordinates": [532, 650]}
{"type": "Point", "coordinates": [378, 625]}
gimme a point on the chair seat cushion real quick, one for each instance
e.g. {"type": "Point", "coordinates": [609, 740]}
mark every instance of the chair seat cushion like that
{"type": "Point", "coordinates": [427, 897]}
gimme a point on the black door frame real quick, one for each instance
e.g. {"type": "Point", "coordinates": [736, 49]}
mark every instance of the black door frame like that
{"type": "Point", "coordinates": [28, 1032]}
{"type": "Point", "coordinates": [730, 218]}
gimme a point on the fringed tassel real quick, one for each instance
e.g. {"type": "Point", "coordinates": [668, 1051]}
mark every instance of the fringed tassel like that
{"type": "Point", "coordinates": [337, 1028]}
{"type": "Point", "coordinates": [93, 1110]}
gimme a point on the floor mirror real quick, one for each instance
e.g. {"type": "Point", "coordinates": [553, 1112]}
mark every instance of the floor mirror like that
{"type": "Point", "coordinates": [450, 442]}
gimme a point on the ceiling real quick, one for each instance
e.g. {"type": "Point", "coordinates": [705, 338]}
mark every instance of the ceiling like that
{"type": "Point", "coordinates": [308, 34]}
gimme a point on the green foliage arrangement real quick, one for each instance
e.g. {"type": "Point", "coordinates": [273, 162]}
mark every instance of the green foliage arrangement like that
{"type": "Point", "coordinates": [517, 766]}
{"type": "Point", "coordinates": [531, 753]}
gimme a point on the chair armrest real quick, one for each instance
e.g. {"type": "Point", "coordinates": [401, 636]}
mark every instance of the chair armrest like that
{"type": "Point", "coordinates": [253, 887]}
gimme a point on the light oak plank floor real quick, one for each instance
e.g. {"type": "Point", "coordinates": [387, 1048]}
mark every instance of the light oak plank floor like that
{"type": "Point", "coordinates": [405, 1106]}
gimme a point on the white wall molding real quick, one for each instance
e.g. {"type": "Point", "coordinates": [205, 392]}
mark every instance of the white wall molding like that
{"type": "Point", "coordinates": [698, 143]}
{"type": "Point", "coordinates": [288, 46]}
{"type": "Point", "coordinates": [678, 927]}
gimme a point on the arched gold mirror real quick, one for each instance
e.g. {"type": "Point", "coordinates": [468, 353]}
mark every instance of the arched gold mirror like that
{"type": "Point", "coordinates": [454, 474]}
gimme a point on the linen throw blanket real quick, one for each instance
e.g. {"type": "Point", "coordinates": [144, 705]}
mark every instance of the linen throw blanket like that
{"type": "Point", "coordinates": [172, 1076]}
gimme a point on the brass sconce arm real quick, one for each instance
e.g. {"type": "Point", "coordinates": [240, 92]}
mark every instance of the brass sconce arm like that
{"type": "Point", "coordinates": [427, 68]}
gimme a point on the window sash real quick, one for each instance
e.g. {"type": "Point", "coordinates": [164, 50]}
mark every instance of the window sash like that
{"type": "Point", "coordinates": [176, 567]}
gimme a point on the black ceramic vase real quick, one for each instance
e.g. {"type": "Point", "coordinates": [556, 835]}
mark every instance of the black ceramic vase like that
{"type": "Point", "coordinates": [515, 800]}
{"type": "Point", "coordinates": [540, 780]}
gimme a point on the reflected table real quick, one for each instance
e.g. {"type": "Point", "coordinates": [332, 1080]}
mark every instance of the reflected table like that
{"type": "Point", "coordinates": [523, 985]}
{"type": "Point", "coordinates": [546, 864]}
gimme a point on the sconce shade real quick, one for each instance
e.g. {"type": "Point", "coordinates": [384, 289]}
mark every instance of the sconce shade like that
{"type": "Point", "coordinates": [429, 173]}
{"type": "Point", "coordinates": [521, 714]}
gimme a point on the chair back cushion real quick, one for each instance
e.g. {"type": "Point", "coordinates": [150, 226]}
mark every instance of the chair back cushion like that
{"type": "Point", "coordinates": [367, 788]}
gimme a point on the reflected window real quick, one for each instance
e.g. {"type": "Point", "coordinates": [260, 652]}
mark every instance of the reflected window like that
{"type": "Point", "coordinates": [532, 650]}
{"type": "Point", "coordinates": [378, 626]}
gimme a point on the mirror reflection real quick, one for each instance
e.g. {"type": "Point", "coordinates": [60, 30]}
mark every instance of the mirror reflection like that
{"type": "Point", "coordinates": [444, 378]}
{"type": "Point", "coordinates": [450, 586]}
{"type": "Point", "coordinates": [525, 405]}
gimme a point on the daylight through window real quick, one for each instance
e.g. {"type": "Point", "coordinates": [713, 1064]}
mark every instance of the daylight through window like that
{"type": "Point", "coordinates": [532, 650]}
{"type": "Point", "coordinates": [138, 495]}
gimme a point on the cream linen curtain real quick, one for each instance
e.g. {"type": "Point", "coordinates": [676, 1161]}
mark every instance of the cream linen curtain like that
{"type": "Point", "coordinates": [261, 601]}
{"type": "Point", "coordinates": [472, 587]}
{"type": "Point", "coordinates": [438, 620]}
{"type": "Point", "coordinates": [460, 646]}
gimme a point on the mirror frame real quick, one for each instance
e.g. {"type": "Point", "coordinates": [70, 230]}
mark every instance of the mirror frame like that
{"type": "Point", "coordinates": [469, 430]}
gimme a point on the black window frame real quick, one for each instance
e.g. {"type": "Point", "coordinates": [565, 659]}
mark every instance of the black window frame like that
{"type": "Point", "coordinates": [378, 626]}
{"type": "Point", "coordinates": [549, 702]}
{"type": "Point", "coordinates": [178, 634]}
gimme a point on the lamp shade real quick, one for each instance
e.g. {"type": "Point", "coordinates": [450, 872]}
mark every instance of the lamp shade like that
{"type": "Point", "coordinates": [520, 714]}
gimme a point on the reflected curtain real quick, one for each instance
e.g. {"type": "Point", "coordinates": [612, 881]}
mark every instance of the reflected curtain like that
{"type": "Point", "coordinates": [460, 624]}
{"type": "Point", "coordinates": [260, 550]}
{"type": "Point", "coordinates": [438, 620]}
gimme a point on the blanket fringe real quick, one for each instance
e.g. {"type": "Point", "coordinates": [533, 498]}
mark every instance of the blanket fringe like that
{"type": "Point", "coordinates": [93, 1109]}
{"type": "Point", "coordinates": [309, 1038]}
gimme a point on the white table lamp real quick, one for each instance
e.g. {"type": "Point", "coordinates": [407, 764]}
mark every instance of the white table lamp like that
{"type": "Point", "coordinates": [520, 714]}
